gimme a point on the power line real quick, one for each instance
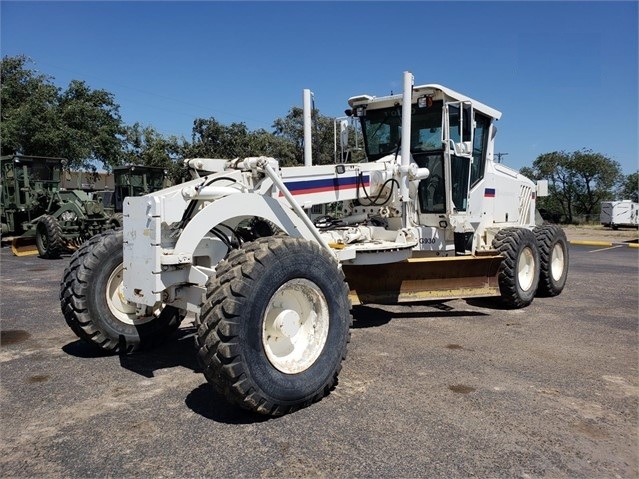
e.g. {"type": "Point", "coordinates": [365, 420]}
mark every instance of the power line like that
{"type": "Point", "coordinates": [499, 155]}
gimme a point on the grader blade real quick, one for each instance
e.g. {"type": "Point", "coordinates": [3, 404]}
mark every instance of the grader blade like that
{"type": "Point", "coordinates": [422, 279]}
{"type": "Point", "coordinates": [24, 246]}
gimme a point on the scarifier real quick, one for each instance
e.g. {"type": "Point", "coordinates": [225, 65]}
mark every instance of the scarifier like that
{"type": "Point", "coordinates": [428, 215]}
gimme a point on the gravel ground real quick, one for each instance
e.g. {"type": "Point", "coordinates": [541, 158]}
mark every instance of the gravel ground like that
{"type": "Point", "coordinates": [600, 233]}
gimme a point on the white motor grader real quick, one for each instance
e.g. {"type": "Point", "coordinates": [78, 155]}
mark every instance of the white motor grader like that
{"type": "Point", "coordinates": [429, 216]}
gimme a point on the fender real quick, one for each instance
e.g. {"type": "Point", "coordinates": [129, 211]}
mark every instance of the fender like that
{"type": "Point", "coordinates": [231, 210]}
{"type": "Point", "coordinates": [155, 262]}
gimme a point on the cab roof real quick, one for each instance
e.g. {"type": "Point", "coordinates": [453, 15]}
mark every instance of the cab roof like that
{"type": "Point", "coordinates": [438, 92]}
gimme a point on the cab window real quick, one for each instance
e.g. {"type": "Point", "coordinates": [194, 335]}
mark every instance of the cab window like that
{"type": "Point", "coordinates": [480, 141]}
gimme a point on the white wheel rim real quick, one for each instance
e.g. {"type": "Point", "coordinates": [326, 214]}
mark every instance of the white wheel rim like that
{"type": "Point", "coordinates": [557, 262]}
{"type": "Point", "coordinates": [123, 310]}
{"type": "Point", "coordinates": [526, 269]}
{"type": "Point", "coordinates": [295, 326]}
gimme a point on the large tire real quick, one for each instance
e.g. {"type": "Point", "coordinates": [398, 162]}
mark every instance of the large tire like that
{"type": "Point", "coordinates": [49, 239]}
{"type": "Point", "coordinates": [553, 257]}
{"type": "Point", "coordinates": [275, 325]}
{"type": "Point", "coordinates": [93, 306]}
{"type": "Point", "coordinates": [519, 271]}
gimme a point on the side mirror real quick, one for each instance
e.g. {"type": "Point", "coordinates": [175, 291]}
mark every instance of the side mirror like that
{"type": "Point", "coordinates": [493, 132]}
{"type": "Point", "coordinates": [542, 188]}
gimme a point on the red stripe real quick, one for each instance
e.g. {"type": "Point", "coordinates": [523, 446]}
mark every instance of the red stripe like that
{"type": "Point", "coordinates": [323, 189]}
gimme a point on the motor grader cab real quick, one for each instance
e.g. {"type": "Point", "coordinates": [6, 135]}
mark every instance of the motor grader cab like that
{"type": "Point", "coordinates": [131, 180]}
{"type": "Point", "coordinates": [28, 185]}
{"type": "Point", "coordinates": [430, 215]}
{"type": "Point", "coordinates": [466, 197]}
{"type": "Point", "coordinates": [137, 181]}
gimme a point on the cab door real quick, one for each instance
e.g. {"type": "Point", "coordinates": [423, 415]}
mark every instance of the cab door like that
{"type": "Point", "coordinates": [458, 139]}
{"type": "Point", "coordinates": [458, 152]}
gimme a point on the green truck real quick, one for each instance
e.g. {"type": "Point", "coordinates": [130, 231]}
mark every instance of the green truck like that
{"type": "Point", "coordinates": [46, 219]}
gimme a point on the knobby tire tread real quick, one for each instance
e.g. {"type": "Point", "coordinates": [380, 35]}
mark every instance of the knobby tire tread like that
{"type": "Point", "coordinates": [508, 242]}
{"type": "Point", "coordinates": [547, 237]}
{"type": "Point", "coordinates": [219, 353]}
{"type": "Point", "coordinates": [75, 293]}
{"type": "Point", "coordinates": [54, 238]}
{"type": "Point", "coordinates": [117, 220]}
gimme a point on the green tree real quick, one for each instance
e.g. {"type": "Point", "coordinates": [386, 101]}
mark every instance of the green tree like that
{"type": "Point", "coordinates": [577, 181]}
{"type": "Point", "coordinates": [29, 109]}
{"type": "Point", "coordinates": [549, 206]}
{"type": "Point", "coordinates": [91, 127]}
{"type": "Point", "coordinates": [38, 118]}
{"type": "Point", "coordinates": [263, 143]}
{"type": "Point", "coordinates": [143, 145]}
{"type": "Point", "coordinates": [214, 140]}
{"type": "Point", "coordinates": [211, 139]}
{"type": "Point", "coordinates": [555, 167]}
{"type": "Point", "coordinates": [291, 128]}
{"type": "Point", "coordinates": [597, 177]}
{"type": "Point", "coordinates": [630, 188]}
{"type": "Point", "coordinates": [84, 126]}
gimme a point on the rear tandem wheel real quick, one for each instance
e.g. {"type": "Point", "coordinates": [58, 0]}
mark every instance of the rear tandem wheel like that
{"type": "Point", "coordinates": [519, 271]}
{"type": "Point", "coordinates": [553, 255]}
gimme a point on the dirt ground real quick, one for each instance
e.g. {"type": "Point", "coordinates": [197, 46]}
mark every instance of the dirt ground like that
{"type": "Point", "coordinates": [600, 233]}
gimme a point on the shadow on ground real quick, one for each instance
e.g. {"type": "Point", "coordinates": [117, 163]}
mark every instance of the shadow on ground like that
{"type": "Point", "coordinates": [374, 316]}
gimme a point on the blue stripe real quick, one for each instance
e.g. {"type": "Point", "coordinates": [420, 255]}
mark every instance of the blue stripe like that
{"type": "Point", "coordinates": [331, 183]}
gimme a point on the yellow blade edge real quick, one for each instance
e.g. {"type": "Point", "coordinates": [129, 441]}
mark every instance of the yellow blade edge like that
{"type": "Point", "coordinates": [24, 247]}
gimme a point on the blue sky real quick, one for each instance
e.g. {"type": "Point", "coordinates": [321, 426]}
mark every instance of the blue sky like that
{"type": "Point", "coordinates": [564, 74]}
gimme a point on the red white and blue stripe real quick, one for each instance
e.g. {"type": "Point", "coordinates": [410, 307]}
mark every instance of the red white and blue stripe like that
{"type": "Point", "coordinates": [339, 183]}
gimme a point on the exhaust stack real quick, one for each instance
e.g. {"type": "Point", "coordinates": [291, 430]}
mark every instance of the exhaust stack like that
{"type": "Point", "coordinates": [308, 153]}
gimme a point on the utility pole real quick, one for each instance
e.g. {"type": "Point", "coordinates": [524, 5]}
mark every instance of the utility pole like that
{"type": "Point", "coordinates": [499, 155]}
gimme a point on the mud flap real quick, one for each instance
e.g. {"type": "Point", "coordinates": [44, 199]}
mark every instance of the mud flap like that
{"type": "Point", "coordinates": [422, 279]}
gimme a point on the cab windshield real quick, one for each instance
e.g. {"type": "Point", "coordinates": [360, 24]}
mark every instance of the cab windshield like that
{"type": "Point", "coordinates": [155, 180]}
{"type": "Point", "coordinates": [382, 130]}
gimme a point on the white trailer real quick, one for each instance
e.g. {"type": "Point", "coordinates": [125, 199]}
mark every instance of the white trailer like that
{"type": "Point", "coordinates": [623, 213]}
{"type": "Point", "coordinates": [429, 215]}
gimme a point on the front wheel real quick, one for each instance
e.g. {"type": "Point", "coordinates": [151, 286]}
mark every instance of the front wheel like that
{"type": "Point", "coordinates": [553, 255]}
{"type": "Point", "coordinates": [519, 271]}
{"type": "Point", "coordinates": [94, 306]}
{"type": "Point", "coordinates": [275, 325]}
{"type": "Point", "coordinates": [49, 240]}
